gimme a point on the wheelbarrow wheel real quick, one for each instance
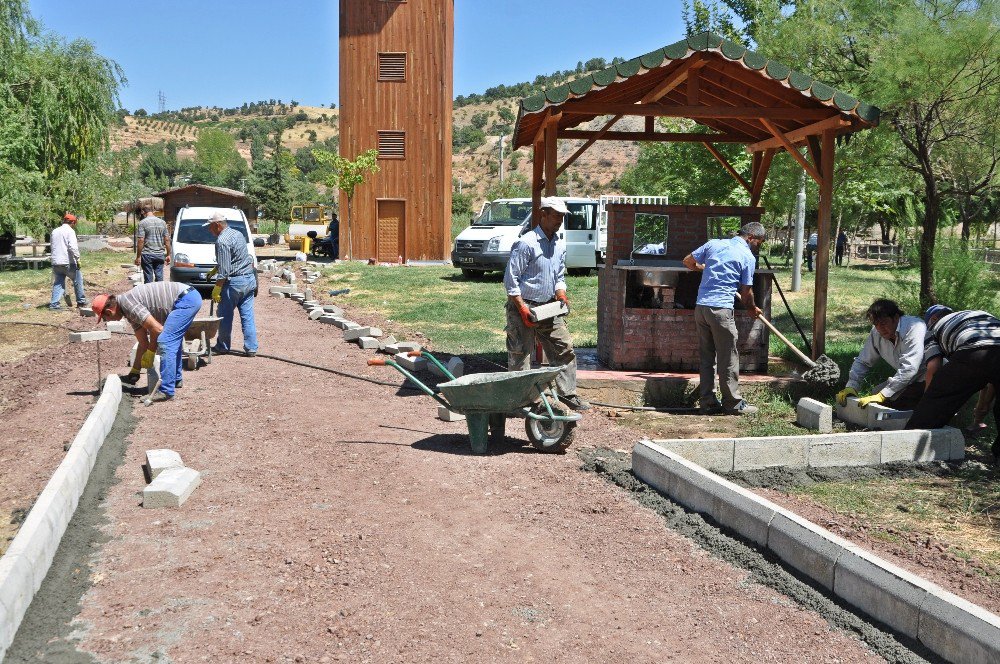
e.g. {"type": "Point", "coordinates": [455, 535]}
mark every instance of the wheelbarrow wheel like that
{"type": "Point", "coordinates": [190, 362]}
{"type": "Point", "coordinates": [549, 436]}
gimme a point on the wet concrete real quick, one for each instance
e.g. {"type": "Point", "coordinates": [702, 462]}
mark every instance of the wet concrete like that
{"type": "Point", "coordinates": [47, 631]}
{"type": "Point", "coordinates": [763, 568]}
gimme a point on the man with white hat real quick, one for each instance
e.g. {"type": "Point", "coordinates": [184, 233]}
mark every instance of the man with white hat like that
{"type": "Point", "coordinates": [970, 341]}
{"type": "Point", "coordinates": [535, 275]}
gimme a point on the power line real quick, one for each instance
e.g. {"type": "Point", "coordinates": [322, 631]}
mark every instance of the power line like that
{"type": "Point", "coordinates": [162, 100]}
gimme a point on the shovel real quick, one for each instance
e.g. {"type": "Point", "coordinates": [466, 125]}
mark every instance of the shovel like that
{"type": "Point", "coordinates": [823, 371]}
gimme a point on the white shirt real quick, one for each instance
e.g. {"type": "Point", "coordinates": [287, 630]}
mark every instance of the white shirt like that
{"type": "Point", "coordinates": [64, 245]}
{"type": "Point", "coordinates": [905, 355]}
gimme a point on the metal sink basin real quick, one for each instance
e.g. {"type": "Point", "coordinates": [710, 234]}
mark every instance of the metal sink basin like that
{"type": "Point", "coordinates": [659, 278]}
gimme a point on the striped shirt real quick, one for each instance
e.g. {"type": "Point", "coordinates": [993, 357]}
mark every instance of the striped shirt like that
{"type": "Point", "coordinates": [231, 255]}
{"type": "Point", "coordinates": [156, 299]}
{"type": "Point", "coordinates": [962, 330]}
{"type": "Point", "coordinates": [537, 267]}
{"type": "Point", "coordinates": [153, 232]}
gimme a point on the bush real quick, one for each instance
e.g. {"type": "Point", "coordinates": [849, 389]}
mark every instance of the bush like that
{"type": "Point", "coordinates": [962, 280]}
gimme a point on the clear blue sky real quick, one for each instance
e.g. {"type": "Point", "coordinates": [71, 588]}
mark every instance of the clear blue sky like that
{"type": "Point", "coordinates": [226, 52]}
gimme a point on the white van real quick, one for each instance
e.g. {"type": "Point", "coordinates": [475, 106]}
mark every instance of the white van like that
{"type": "Point", "coordinates": [193, 245]}
{"type": "Point", "coordinates": [485, 245]}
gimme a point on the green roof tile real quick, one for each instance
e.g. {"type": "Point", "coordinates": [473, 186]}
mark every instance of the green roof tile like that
{"type": "Point", "coordinates": [777, 71]}
{"type": "Point", "coordinates": [558, 94]}
{"type": "Point", "coordinates": [676, 50]}
{"type": "Point", "coordinates": [629, 68]}
{"type": "Point", "coordinates": [799, 81]}
{"type": "Point", "coordinates": [868, 113]}
{"type": "Point", "coordinates": [605, 76]}
{"type": "Point", "coordinates": [532, 104]}
{"type": "Point", "coordinates": [582, 85]}
{"type": "Point", "coordinates": [732, 50]}
{"type": "Point", "coordinates": [822, 91]}
{"type": "Point", "coordinates": [704, 41]}
{"type": "Point", "coordinates": [754, 60]}
{"type": "Point", "coordinates": [652, 59]}
{"type": "Point", "coordinates": [844, 101]}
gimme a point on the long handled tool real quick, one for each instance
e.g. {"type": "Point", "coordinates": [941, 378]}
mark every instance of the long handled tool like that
{"type": "Point", "coordinates": [823, 371]}
{"type": "Point", "coordinates": [781, 292]}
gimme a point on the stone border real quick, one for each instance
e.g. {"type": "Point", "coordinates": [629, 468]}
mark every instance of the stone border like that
{"type": "Point", "coordinates": [864, 448]}
{"type": "Point", "coordinates": [946, 624]}
{"type": "Point", "coordinates": [27, 561]}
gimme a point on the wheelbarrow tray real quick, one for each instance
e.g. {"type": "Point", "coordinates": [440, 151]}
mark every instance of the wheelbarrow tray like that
{"type": "Point", "coordinates": [207, 324]}
{"type": "Point", "coordinates": [497, 392]}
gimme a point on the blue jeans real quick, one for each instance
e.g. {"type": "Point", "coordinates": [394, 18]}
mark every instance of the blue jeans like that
{"type": "Point", "coordinates": [59, 274]}
{"type": "Point", "coordinates": [171, 341]}
{"type": "Point", "coordinates": [152, 268]}
{"type": "Point", "coordinates": [238, 292]}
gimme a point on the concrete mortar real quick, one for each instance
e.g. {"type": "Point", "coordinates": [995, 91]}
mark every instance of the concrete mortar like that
{"type": "Point", "coordinates": [762, 568]}
{"type": "Point", "coordinates": [46, 632]}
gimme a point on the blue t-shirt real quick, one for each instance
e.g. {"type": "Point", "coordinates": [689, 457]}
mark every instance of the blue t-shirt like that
{"type": "Point", "coordinates": [729, 264]}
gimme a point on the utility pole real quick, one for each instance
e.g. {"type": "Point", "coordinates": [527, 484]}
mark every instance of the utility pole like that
{"type": "Point", "coordinates": [502, 136]}
{"type": "Point", "coordinates": [161, 101]}
{"type": "Point", "coordinates": [800, 225]}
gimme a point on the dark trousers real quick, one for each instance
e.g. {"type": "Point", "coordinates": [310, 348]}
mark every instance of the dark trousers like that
{"type": "Point", "coordinates": [152, 268]}
{"type": "Point", "coordinates": [809, 257]}
{"type": "Point", "coordinates": [908, 397]}
{"type": "Point", "coordinates": [838, 256]}
{"type": "Point", "coordinates": [965, 373]}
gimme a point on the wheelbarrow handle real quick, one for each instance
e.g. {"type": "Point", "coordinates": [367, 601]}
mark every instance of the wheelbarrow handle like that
{"type": "Point", "coordinates": [376, 361]}
{"type": "Point", "coordinates": [415, 353]}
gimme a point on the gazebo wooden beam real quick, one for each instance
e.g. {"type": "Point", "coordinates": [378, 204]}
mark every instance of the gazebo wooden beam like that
{"type": "Point", "coordinates": [659, 137]}
{"type": "Point", "coordinates": [797, 135]}
{"type": "Point", "coordinates": [726, 165]}
{"type": "Point", "coordinates": [675, 78]}
{"type": "Point", "coordinates": [787, 144]}
{"type": "Point", "coordinates": [694, 112]}
{"type": "Point", "coordinates": [823, 247]}
{"type": "Point", "coordinates": [760, 174]}
{"type": "Point", "coordinates": [590, 141]}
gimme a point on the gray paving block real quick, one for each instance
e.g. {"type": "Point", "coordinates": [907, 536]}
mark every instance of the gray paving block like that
{"type": "Point", "coordinates": [298, 297]}
{"type": "Point", "coordinates": [712, 453]}
{"type": "Point", "coordinates": [914, 445]}
{"type": "Point", "coordinates": [845, 449]}
{"type": "Point", "coordinates": [957, 442]}
{"type": "Point", "coordinates": [814, 415]}
{"type": "Point", "coordinates": [86, 312]}
{"type": "Point", "coordinates": [329, 319]}
{"type": "Point", "coordinates": [958, 630]}
{"type": "Point", "coordinates": [449, 415]}
{"type": "Point", "coordinates": [887, 593]}
{"type": "Point", "coordinates": [805, 546]}
{"type": "Point", "coordinates": [160, 460]}
{"type": "Point", "coordinates": [279, 295]}
{"type": "Point", "coordinates": [407, 346]}
{"type": "Point", "coordinates": [776, 451]}
{"type": "Point", "coordinates": [309, 304]}
{"type": "Point", "coordinates": [288, 290]}
{"type": "Point", "coordinates": [410, 363]}
{"type": "Point", "coordinates": [550, 310]}
{"type": "Point", "coordinates": [350, 334]}
{"type": "Point", "coordinates": [118, 326]}
{"type": "Point", "coordinates": [456, 366]}
{"type": "Point", "coordinates": [867, 417]}
{"type": "Point", "coordinates": [94, 335]}
{"type": "Point", "coordinates": [344, 324]}
{"type": "Point", "coordinates": [171, 488]}
{"type": "Point", "coordinates": [315, 314]}
{"type": "Point", "coordinates": [385, 342]}
{"type": "Point", "coordinates": [332, 309]}
{"type": "Point", "coordinates": [309, 294]}
{"type": "Point", "coordinates": [368, 343]}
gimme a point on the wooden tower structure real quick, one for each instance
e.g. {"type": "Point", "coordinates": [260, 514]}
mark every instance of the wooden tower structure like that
{"type": "Point", "coordinates": [396, 89]}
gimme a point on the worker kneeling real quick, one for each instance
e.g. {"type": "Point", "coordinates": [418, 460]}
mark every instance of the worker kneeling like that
{"type": "Point", "coordinates": [536, 274]}
{"type": "Point", "coordinates": [160, 313]}
{"type": "Point", "coordinates": [899, 340]}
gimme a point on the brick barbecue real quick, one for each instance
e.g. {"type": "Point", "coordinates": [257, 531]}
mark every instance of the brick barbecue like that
{"type": "Point", "coordinates": [645, 306]}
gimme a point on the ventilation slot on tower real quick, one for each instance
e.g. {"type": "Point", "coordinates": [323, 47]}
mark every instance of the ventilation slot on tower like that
{"type": "Point", "coordinates": [392, 66]}
{"type": "Point", "coordinates": [391, 145]}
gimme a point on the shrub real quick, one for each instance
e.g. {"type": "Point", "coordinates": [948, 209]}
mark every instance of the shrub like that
{"type": "Point", "coordinates": [962, 280]}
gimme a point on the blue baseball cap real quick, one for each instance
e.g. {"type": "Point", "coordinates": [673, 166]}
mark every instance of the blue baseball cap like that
{"type": "Point", "coordinates": [934, 310]}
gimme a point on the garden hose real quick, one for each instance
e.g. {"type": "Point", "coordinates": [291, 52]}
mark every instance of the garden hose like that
{"type": "Point", "coordinates": [345, 374]}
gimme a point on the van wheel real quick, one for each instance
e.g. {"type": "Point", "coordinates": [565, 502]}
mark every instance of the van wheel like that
{"type": "Point", "coordinates": [579, 271]}
{"type": "Point", "coordinates": [471, 275]}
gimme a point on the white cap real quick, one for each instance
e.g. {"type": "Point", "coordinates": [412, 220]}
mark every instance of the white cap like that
{"type": "Point", "coordinates": [217, 217]}
{"type": "Point", "coordinates": [554, 203]}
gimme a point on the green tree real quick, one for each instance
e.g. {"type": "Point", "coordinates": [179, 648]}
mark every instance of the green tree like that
{"type": "Point", "coordinates": [217, 161]}
{"type": "Point", "coordinates": [346, 175]}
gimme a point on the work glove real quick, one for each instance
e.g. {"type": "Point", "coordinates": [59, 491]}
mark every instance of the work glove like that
{"type": "Point", "coordinates": [844, 393]}
{"type": "Point", "coordinates": [878, 397]}
{"type": "Point", "coordinates": [562, 297]}
{"type": "Point", "coordinates": [147, 360]}
{"type": "Point", "coordinates": [211, 273]}
{"type": "Point", "coordinates": [527, 317]}
{"type": "Point", "coordinates": [217, 293]}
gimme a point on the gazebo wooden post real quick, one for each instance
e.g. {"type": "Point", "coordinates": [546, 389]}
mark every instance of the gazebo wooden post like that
{"type": "Point", "coordinates": [551, 154]}
{"type": "Point", "coordinates": [826, 165]}
{"type": "Point", "coordinates": [537, 173]}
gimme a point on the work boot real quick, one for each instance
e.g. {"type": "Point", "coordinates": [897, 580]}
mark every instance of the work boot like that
{"type": "Point", "coordinates": [742, 408]}
{"type": "Point", "coordinates": [574, 402]}
{"type": "Point", "coordinates": [714, 408]}
{"type": "Point", "coordinates": [159, 397]}
{"type": "Point", "coordinates": [131, 378]}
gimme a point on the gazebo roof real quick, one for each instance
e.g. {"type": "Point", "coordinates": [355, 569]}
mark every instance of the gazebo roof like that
{"type": "Point", "coordinates": [733, 89]}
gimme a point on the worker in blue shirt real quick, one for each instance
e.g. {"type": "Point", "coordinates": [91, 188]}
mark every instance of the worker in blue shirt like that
{"type": "Point", "coordinates": [727, 267]}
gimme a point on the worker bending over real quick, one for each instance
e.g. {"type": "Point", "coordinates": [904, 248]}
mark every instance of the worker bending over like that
{"type": "Point", "coordinates": [160, 313]}
{"type": "Point", "coordinates": [970, 341]}
{"type": "Point", "coordinates": [727, 267]}
{"type": "Point", "coordinates": [536, 274]}
{"type": "Point", "coordinates": [899, 340]}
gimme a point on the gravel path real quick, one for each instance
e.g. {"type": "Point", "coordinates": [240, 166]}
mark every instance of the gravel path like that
{"type": "Point", "coordinates": [338, 520]}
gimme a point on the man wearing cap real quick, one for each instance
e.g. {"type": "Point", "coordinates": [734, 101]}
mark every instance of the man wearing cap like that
{"type": "Point", "coordinates": [235, 285]}
{"type": "Point", "coordinates": [152, 249]}
{"type": "Point", "coordinates": [536, 274]}
{"type": "Point", "coordinates": [160, 313]}
{"type": "Point", "coordinates": [899, 340]}
{"type": "Point", "coordinates": [727, 267]}
{"type": "Point", "coordinates": [66, 263]}
{"type": "Point", "coordinates": [970, 341]}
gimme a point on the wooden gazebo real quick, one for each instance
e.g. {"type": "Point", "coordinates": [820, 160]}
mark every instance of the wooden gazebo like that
{"type": "Point", "coordinates": [738, 95]}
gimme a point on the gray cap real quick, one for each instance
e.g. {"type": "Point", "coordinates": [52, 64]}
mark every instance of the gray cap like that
{"type": "Point", "coordinates": [217, 217]}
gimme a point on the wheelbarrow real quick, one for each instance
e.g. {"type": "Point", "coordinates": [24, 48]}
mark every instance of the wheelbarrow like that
{"type": "Point", "coordinates": [198, 341]}
{"type": "Point", "coordinates": [488, 399]}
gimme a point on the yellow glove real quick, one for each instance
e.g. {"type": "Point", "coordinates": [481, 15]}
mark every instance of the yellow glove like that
{"type": "Point", "coordinates": [211, 273]}
{"type": "Point", "coordinates": [875, 398]}
{"type": "Point", "coordinates": [844, 393]}
{"type": "Point", "coordinates": [147, 360]}
{"type": "Point", "coordinates": [217, 292]}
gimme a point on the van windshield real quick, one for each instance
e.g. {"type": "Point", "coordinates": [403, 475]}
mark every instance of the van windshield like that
{"type": "Point", "coordinates": [504, 213]}
{"type": "Point", "coordinates": [194, 231]}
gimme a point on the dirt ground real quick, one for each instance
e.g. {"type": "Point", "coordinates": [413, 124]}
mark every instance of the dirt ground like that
{"type": "Point", "coordinates": [338, 520]}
